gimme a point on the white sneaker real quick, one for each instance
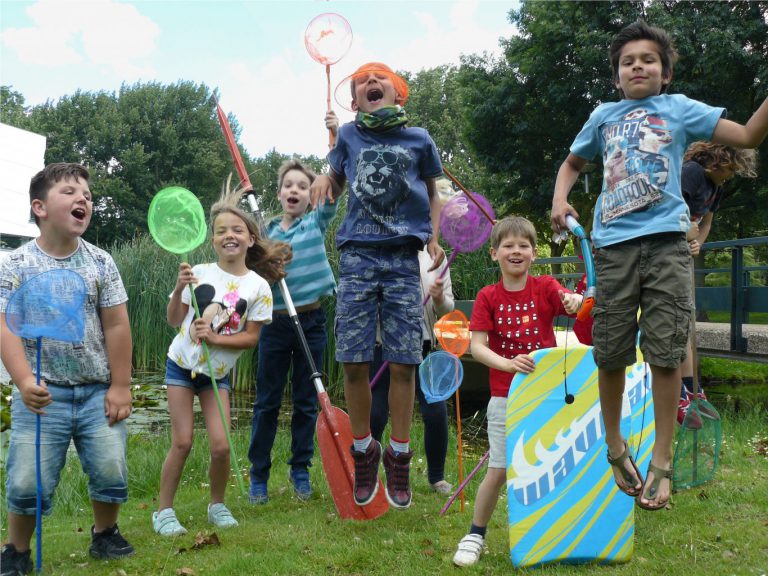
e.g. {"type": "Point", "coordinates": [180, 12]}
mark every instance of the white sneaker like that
{"type": "Point", "coordinates": [165, 523]}
{"type": "Point", "coordinates": [470, 548]}
{"type": "Point", "coordinates": [220, 516]}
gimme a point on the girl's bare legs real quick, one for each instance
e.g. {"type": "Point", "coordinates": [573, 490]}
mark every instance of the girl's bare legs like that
{"type": "Point", "coordinates": [180, 401]}
{"type": "Point", "coordinates": [218, 472]}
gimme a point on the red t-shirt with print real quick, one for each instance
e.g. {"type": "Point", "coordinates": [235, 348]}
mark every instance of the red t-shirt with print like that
{"type": "Point", "coordinates": [517, 322]}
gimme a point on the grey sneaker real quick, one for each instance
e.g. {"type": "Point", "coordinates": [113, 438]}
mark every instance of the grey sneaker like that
{"type": "Point", "coordinates": [220, 516]}
{"type": "Point", "coordinates": [469, 550]}
{"type": "Point", "coordinates": [165, 523]}
{"type": "Point", "coordinates": [109, 544]}
{"type": "Point", "coordinates": [442, 487]}
{"type": "Point", "coordinates": [13, 562]}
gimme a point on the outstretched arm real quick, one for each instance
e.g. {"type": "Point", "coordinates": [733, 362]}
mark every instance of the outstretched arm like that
{"type": "Point", "coordinates": [750, 135]}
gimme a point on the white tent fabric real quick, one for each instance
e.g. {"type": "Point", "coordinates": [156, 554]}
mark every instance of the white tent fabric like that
{"type": "Point", "coordinates": [22, 155]}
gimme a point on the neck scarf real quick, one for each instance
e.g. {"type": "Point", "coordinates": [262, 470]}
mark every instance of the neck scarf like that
{"type": "Point", "coordinates": [382, 119]}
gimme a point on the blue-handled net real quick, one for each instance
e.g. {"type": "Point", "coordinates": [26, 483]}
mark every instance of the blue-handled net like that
{"type": "Point", "coordinates": [440, 375]}
{"type": "Point", "coordinates": [49, 305]}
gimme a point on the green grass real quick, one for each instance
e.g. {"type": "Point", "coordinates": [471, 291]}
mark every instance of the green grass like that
{"type": "Point", "coordinates": [719, 528]}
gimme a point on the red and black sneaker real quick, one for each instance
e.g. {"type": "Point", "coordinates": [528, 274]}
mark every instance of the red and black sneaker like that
{"type": "Point", "coordinates": [366, 473]}
{"type": "Point", "coordinates": [397, 467]}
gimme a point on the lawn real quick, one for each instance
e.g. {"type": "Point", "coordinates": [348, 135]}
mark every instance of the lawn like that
{"type": "Point", "coordinates": [720, 528]}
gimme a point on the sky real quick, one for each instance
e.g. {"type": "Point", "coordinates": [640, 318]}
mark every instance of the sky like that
{"type": "Point", "coordinates": [252, 52]}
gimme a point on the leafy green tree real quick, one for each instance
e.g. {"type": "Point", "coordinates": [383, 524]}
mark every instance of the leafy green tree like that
{"type": "Point", "coordinates": [522, 111]}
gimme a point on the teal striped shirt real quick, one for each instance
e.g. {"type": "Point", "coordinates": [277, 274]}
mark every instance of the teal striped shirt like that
{"type": "Point", "coordinates": [309, 274]}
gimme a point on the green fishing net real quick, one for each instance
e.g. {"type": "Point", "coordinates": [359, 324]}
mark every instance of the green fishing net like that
{"type": "Point", "coordinates": [176, 220]}
{"type": "Point", "coordinates": [698, 446]}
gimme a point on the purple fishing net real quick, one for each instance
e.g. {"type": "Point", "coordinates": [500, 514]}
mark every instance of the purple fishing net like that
{"type": "Point", "coordinates": [463, 225]}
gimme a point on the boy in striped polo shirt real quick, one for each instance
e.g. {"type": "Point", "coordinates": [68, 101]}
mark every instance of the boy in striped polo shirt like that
{"type": "Point", "coordinates": [309, 277]}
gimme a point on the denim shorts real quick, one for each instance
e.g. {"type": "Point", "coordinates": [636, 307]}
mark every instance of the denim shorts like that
{"type": "Point", "coordinates": [76, 413]}
{"type": "Point", "coordinates": [379, 284]}
{"type": "Point", "coordinates": [175, 375]}
{"type": "Point", "coordinates": [652, 273]}
{"type": "Point", "coordinates": [497, 432]}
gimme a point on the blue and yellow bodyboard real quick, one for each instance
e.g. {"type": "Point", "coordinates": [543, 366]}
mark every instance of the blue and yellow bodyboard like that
{"type": "Point", "coordinates": [563, 503]}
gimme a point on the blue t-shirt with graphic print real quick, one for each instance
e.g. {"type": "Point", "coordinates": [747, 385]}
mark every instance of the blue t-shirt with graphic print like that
{"type": "Point", "coordinates": [388, 202]}
{"type": "Point", "coordinates": [642, 143]}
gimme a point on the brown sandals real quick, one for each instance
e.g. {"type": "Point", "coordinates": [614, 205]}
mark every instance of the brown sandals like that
{"type": "Point", "coordinates": [649, 490]}
{"type": "Point", "coordinates": [618, 462]}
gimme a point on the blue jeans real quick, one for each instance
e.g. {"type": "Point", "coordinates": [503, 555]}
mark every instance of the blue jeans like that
{"type": "Point", "coordinates": [278, 348]}
{"type": "Point", "coordinates": [435, 418]}
{"type": "Point", "coordinates": [76, 413]}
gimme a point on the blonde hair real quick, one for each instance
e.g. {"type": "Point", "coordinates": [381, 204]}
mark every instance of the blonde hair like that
{"type": "Point", "coordinates": [294, 164]}
{"type": "Point", "coordinates": [715, 156]}
{"type": "Point", "coordinates": [266, 257]}
{"type": "Point", "coordinates": [513, 226]}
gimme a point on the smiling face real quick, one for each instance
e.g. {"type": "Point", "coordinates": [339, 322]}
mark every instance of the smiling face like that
{"type": "Point", "coordinates": [373, 90]}
{"type": "Point", "coordinates": [515, 255]}
{"type": "Point", "coordinates": [231, 237]}
{"type": "Point", "coordinates": [294, 194]}
{"type": "Point", "coordinates": [66, 210]}
{"type": "Point", "coordinates": [640, 70]}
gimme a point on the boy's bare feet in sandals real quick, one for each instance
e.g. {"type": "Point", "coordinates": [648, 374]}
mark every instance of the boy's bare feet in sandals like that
{"type": "Point", "coordinates": [625, 472]}
{"type": "Point", "coordinates": [657, 488]}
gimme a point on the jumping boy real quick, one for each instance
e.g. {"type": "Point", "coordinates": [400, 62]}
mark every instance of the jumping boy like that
{"type": "Point", "coordinates": [510, 320]}
{"type": "Point", "coordinates": [639, 232]}
{"type": "Point", "coordinates": [392, 212]}
{"type": "Point", "coordinates": [85, 398]}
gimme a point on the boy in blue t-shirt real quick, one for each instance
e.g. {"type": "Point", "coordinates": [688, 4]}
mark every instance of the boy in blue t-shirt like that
{"type": "Point", "coordinates": [392, 212]}
{"type": "Point", "coordinates": [639, 232]}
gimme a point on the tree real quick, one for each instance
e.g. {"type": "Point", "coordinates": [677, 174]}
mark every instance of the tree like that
{"type": "Point", "coordinates": [524, 110]}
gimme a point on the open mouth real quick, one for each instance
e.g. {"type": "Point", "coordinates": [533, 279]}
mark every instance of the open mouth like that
{"type": "Point", "coordinates": [374, 95]}
{"type": "Point", "coordinates": [230, 245]}
{"type": "Point", "coordinates": [79, 213]}
{"type": "Point", "coordinates": [292, 201]}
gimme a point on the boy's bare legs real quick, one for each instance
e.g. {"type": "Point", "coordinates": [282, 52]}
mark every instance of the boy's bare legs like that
{"type": "Point", "coordinates": [488, 495]}
{"type": "Point", "coordinates": [686, 366]}
{"type": "Point", "coordinates": [180, 402]}
{"type": "Point", "coordinates": [402, 393]}
{"type": "Point", "coordinates": [666, 391]}
{"type": "Point", "coordinates": [357, 393]}
{"type": "Point", "coordinates": [104, 515]}
{"type": "Point", "coordinates": [611, 386]}
{"type": "Point", "coordinates": [218, 471]}
{"type": "Point", "coordinates": [20, 530]}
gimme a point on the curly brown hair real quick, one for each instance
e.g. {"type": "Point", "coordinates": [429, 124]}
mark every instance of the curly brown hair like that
{"type": "Point", "coordinates": [743, 161]}
{"type": "Point", "coordinates": [266, 257]}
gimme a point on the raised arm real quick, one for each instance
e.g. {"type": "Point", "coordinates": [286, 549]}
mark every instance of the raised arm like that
{"type": "Point", "coordinates": [749, 135]}
{"type": "Point", "coordinates": [326, 187]}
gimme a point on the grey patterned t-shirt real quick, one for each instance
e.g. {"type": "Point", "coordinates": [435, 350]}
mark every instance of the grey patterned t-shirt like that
{"type": "Point", "coordinates": [64, 362]}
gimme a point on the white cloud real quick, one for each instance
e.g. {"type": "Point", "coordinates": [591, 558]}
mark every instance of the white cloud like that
{"type": "Point", "coordinates": [114, 36]}
{"type": "Point", "coordinates": [282, 103]}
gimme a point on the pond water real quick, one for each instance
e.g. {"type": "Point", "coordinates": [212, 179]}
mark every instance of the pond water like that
{"type": "Point", "coordinates": [150, 406]}
{"type": "Point", "coordinates": [150, 413]}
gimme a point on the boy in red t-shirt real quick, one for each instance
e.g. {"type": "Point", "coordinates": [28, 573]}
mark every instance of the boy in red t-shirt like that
{"type": "Point", "coordinates": [510, 320]}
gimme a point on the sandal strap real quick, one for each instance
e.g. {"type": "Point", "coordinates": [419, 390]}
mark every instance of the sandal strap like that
{"type": "Point", "coordinates": [619, 461]}
{"type": "Point", "coordinates": [649, 491]}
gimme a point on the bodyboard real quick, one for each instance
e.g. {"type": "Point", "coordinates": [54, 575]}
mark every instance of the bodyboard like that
{"type": "Point", "coordinates": [564, 505]}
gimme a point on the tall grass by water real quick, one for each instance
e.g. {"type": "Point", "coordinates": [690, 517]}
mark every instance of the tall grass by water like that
{"type": "Point", "coordinates": [718, 528]}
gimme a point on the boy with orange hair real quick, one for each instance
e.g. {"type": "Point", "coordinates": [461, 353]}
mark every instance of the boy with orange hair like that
{"type": "Point", "coordinates": [393, 211]}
